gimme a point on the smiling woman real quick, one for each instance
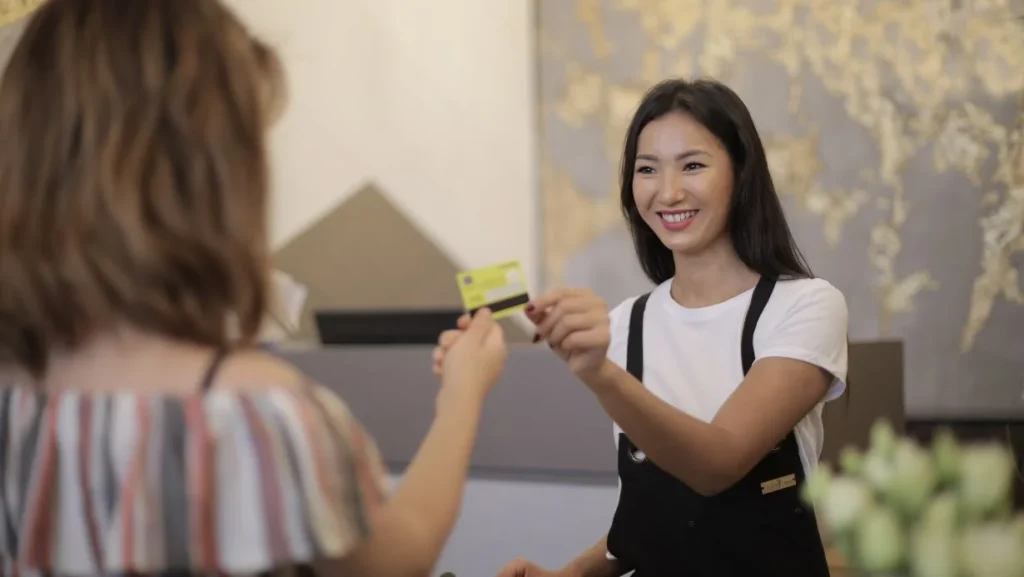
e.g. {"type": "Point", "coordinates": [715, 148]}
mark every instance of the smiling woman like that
{"type": "Point", "coordinates": [681, 171]}
{"type": "Point", "coordinates": [692, 149]}
{"type": "Point", "coordinates": [716, 379]}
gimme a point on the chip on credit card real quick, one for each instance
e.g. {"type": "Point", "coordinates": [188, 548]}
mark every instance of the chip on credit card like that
{"type": "Point", "coordinates": [501, 288]}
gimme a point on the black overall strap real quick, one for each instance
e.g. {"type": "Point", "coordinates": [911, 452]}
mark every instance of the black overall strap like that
{"type": "Point", "coordinates": [762, 292]}
{"type": "Point", "coordinates": [635, 340]}
{"type": "Point", "coordinates": [212, 369]}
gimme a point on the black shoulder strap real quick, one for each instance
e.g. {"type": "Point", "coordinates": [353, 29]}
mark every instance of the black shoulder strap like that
{"type": "Point", "coordinates": [762, 292]}
{"type": "Point", "coordinates": [635, 340]}
{"type": "Point", "coordinates": [211, 371]}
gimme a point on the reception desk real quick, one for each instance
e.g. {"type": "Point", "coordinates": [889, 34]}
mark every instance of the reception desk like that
{"type": "Point", "coordinates": [539, 420]}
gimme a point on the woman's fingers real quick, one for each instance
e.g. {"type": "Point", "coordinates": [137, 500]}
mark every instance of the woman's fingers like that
{"type": "Point", "coordinates": [535, 315]}
{"type": "Point", "coordinates": [569, 324]}
{"type": "Point", "coordinates": [588, 305]}
{"type": "Point", "coordinates": [553, 297]}
{"type": "Point", "coordinates": [556, 312]}
{"type": "Point", "coordinates": [587, 339]}
{"type": "Point", "coordinates": [560, 352]}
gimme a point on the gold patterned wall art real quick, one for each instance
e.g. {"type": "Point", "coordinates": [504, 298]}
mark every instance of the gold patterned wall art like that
{"type": "Point", "coordinates": [11, 10]}
{"type": "Point", "coordinates": [895, 132]}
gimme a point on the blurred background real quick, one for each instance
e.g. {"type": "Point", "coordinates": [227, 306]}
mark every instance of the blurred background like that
{"type": "Point", "coordinates": [422, 138]}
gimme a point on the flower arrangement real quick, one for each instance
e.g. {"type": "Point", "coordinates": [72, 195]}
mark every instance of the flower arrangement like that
{"type": "Point", "coordinates": [903, 509]}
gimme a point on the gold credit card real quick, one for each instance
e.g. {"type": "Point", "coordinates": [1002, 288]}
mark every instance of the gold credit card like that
{"type": "Point", "coordinates": [501, 288]}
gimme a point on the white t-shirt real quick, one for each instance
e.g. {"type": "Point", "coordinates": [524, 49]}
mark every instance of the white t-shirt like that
{"type": "Point", "coordinates": [692, 356]}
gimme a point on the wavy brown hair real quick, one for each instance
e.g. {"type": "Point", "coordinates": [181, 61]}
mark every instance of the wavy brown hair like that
{"type": "Point", "coordinates": [134, 178]}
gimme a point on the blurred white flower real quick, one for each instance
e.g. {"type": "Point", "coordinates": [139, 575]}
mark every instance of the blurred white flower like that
{"type": "Point", "coordinates": [941, 514]}
{"type": "Point", "coordinates": [903, 509]}
{"type": "Point", "coordinates": [816, 485]}
{"type": "Point", "coordinates": [986, 480]}
{"type": "Point", "coordinates": [992, 550]}
{"type": "Point", "coordinates": [844, 502]}
{"type": "Point", "coordinates": [946, 451]}
{"type": "Point", "coordinates": [934, 553]}
{"type": "Point", "coordinates": [880, 545]}
{"type": "Point", "coordinates": [851, 461]}
{"type": "Point", "coordinates": [877, 470]}
{"type": "Point", "coordinates": [934, 550]}
{"type": "Point", "coordinates": [883, 439]}
{"type": "Point", "coordinates": [913, 478]}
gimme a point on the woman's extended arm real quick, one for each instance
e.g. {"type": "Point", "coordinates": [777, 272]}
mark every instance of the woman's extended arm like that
{"type": "Point", "coordinates": [801, 356]}
{"type": "Point", "coordinates": [711, 457]}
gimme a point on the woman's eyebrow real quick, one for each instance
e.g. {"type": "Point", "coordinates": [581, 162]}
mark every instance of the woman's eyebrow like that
{"type": "Point", "coordinates": [682, 156]}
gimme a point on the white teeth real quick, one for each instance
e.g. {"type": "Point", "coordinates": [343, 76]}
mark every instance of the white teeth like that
{"type": "Point", "coordinates": [678, 216]}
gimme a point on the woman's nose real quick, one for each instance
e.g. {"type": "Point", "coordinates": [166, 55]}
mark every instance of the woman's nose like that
{"type": "Point", "coordinates": [672, 188]}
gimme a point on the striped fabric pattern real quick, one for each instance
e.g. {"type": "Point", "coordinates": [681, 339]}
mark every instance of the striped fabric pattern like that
{"type": "Point", "coordinates": [222, 483]}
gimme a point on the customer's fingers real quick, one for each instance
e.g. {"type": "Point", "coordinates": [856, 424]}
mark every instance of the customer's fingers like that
{"type": "Point", "coordinates": [437, 361]}
{"type": "Point", "coordinates": [448, 338]}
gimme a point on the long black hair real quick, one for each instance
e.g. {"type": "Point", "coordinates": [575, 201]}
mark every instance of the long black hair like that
{"type": "Point", "coordinates": [757, 224]}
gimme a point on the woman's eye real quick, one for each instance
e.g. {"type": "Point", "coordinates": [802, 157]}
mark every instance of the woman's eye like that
{"type": "Point", "coordinates": [693, 166]}
{"type": "Point", "coordinates": [645, 170]}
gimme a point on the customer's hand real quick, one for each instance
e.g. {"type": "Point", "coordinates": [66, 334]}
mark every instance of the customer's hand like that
{"type": "Point", "coordinates": [471, 359]}
{"type": "Point", "coordinates": [524, 568]}
{"type": "Point", "coordinates": [445, 342]}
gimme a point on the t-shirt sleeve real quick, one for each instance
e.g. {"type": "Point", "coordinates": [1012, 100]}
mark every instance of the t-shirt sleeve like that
{"type": "Point", "coordinates": [618, 320]}
{"type": "Point", "coordinates": [814, 330]}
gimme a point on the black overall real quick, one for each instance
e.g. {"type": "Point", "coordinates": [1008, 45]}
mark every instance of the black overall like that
{"type": "Point", "coordinates": [759, 527]}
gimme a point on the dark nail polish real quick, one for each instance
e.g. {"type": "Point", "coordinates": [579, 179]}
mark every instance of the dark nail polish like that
{"type": "Point", "coordinates": [529, 308]}
{"type": "Point", "coordinates": [536, 338]}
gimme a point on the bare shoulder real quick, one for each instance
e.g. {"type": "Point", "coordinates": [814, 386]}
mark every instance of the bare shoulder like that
{"type": "Point", "coordinates": [254, 370]}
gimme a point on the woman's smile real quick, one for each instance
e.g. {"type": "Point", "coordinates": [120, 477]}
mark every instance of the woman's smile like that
{"type": "Point", "coordinates": [677, 220]}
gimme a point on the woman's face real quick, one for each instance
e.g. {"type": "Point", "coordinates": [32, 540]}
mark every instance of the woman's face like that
{"type": "Point", "coordinates": [683, 183]}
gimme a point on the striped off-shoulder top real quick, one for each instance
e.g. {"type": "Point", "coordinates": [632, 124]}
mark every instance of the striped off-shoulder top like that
{"type": "Point", "coordinates": [220, 482]}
